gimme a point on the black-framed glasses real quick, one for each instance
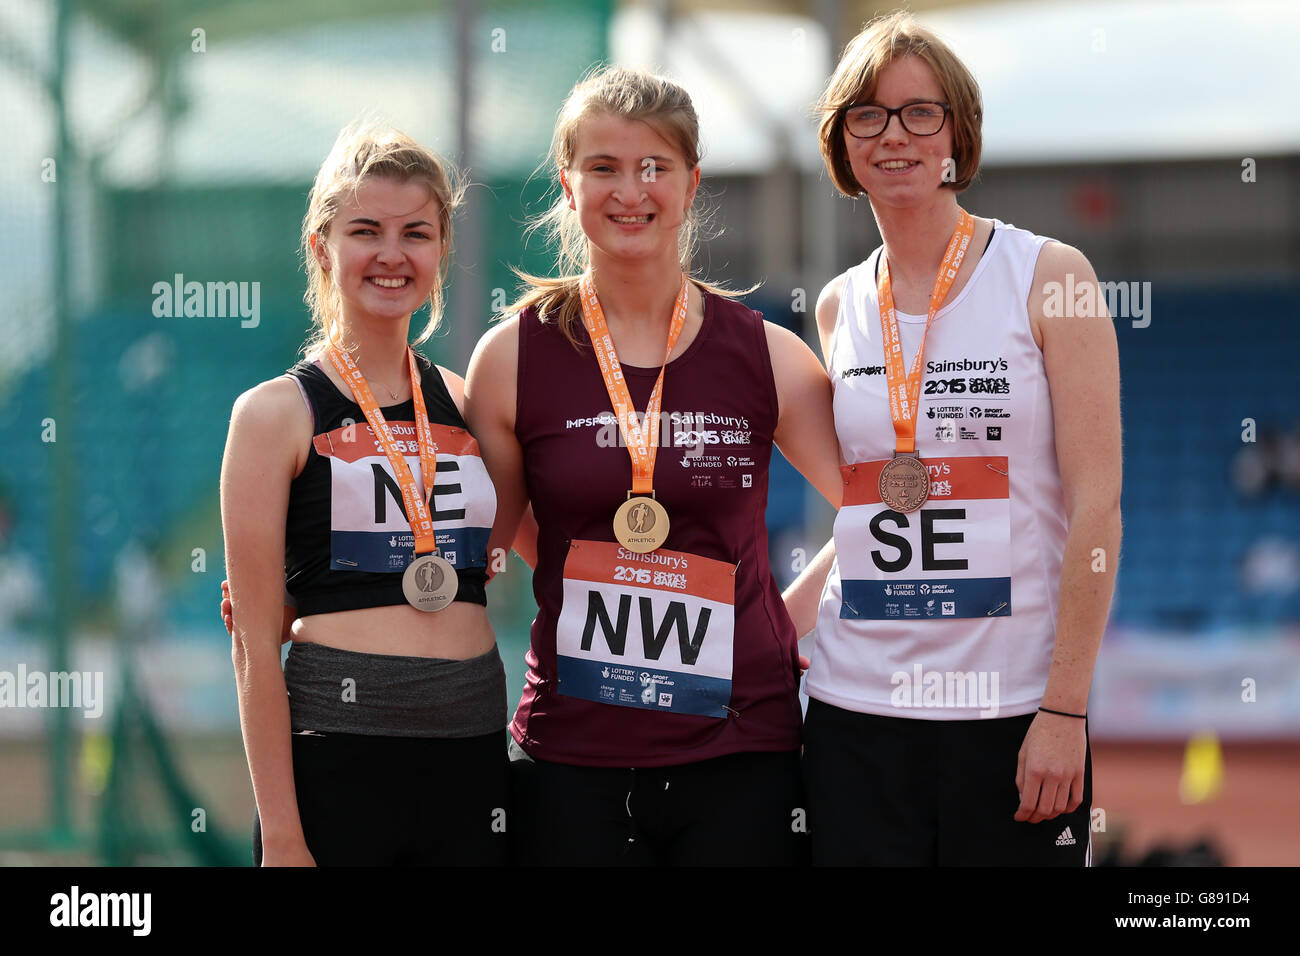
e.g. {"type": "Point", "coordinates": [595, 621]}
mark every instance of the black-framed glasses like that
{"type": "Point", "coordinates": [867, 121]}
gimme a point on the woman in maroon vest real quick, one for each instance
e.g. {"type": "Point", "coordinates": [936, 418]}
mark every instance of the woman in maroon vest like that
{"type": "Point", "coordinates": [635, 408]}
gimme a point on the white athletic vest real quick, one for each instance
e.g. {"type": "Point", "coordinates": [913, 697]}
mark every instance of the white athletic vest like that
{"type": "Point", "coordinates": [949, 612]}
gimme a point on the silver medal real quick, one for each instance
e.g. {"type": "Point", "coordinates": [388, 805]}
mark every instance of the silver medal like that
{"type": "Point", "coordinates": [429, 583]}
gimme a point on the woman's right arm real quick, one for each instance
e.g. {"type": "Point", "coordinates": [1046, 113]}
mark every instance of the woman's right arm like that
{"type": "Point", "coordinates": [803, 596]}
{"type": "Point", "coordinates": [267, 425]}
{"type": "Point", "coordinates": [490, 390]}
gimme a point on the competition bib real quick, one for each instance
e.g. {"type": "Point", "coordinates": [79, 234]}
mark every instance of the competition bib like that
{"type": "Point", "coordinates": [654, 631]}
{"type": "Point", "coordinates": [950, 559]}
{"type": "Point", "coordinates": [369, 530]}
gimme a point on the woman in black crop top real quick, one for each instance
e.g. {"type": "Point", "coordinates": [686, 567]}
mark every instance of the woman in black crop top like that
{"type": "Point", "coordinates": [382, 741]}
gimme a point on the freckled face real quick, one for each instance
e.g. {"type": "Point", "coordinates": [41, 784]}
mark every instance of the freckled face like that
{"type": "Point", "coordinates": [897, 167]}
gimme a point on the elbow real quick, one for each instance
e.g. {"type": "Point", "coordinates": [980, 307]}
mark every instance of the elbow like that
{"type": "Point", "coordinates": [238, 654]}
{"type": "Point", "coordinates": [1098, 505]}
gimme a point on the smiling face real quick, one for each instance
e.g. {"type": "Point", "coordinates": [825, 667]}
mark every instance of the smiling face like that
{"type": "Point", "coordinates": [383, 249]}
{"type": "Point", "coordinates": [898, 168]}
{"type": "Point", "coordinates": [630, 187]}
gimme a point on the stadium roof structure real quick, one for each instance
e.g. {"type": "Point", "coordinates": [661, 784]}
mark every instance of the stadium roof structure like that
{"type": "Point", "coordinates": [1063, 80]}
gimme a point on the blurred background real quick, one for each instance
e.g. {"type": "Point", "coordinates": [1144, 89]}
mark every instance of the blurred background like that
{"type": "Point", "coordinates": [174, 141]}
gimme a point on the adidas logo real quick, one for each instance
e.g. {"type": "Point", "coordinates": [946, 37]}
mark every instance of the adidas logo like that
{"type": "Point", "coordinates": [1066, 838]}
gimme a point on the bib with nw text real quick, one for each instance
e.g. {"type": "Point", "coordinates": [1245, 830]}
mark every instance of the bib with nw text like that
{"type": "Point", "coordinates": [653, 631]}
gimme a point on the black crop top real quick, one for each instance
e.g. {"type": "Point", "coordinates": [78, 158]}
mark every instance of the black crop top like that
{"type": "Point", "coordinates": [347, 539]}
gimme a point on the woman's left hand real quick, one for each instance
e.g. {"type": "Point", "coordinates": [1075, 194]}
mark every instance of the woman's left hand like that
{"type": "Point", "coordinates": [1049, 770]}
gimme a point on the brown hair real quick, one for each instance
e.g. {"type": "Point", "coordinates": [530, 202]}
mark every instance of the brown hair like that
{"type": "Point", "coordinates": [881, 42]}
{"type": "Point", "coordinates": [632, 95]}
{"type": "Point", "coordinates": [366, 150]}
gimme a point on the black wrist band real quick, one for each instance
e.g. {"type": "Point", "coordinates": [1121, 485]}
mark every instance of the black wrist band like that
{"type": "Point", "coordinates": [1048, 710]}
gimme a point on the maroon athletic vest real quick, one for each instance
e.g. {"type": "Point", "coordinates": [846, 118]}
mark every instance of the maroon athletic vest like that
{"type": "Point", "coordinates": [642, 674]}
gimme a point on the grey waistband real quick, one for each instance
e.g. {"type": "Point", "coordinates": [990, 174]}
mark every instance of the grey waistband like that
{"type": "Point", "coordinates": [349, 692]}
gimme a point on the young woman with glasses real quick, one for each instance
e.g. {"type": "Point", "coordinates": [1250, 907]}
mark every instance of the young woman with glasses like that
{"type": "Point", "coordinates": [974, 555]}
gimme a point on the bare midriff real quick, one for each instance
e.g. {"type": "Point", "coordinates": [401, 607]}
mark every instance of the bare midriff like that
{"type": "Point", "coordinates": [459, 632]}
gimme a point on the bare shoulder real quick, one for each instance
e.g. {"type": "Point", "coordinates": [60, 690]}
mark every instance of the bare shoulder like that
{"type": "Point", "coordinates": [828, 301]}
{"type": "Point", "coordinates": [455, 387]}
{"type": "Point", "coordinates": [271, 422]}
{"type": "Point", "coordinates": [1060, 269]}
{"type": "Point", "coordinates": [785, 346]}
{"type": "Point", "coordinates": [276, 401]}
{"type": "Point", "coordinates": [778, 335]}
{"type": "Point", "coordinates": [795, 369]}
{"type": "Point", "coordinates": [1058, 260]}
{"type": "Point", "coordinates": [490, 385]}
{"type": "Point", "coordinates": [499, 345]}
{"type": "Point", "coordinates": [828, 307]}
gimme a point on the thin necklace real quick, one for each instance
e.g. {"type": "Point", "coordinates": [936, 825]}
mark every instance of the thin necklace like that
{"type": "Point", "coordinates": [391, 393]}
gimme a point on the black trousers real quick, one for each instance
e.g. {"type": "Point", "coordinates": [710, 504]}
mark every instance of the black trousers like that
{"type": "Point", "coordinates": [897, 791]}
{"type": "Point", "coordinates": [743, 809]}
{"type": "Point", "coordinates": [401, 801]}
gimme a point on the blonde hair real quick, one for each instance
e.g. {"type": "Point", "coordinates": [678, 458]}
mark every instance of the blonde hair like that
{"type": "Point", "coordinates": [881, 42]}
{"type": "Point", "coordinates": [632, 95]}
{"type": "Point", "coordinates": [365, 150]}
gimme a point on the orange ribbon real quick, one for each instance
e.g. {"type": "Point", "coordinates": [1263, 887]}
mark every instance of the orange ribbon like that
{"type": "Point", "coordinates": [643, 442]}
{"type": "Point", "coordinates": [905, 390]}
{"type": "Point", "coordinates": [417, 508]}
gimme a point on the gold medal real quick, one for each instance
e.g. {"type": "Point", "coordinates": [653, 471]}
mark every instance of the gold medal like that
{"type": "Point", "coordinates": [904, 483]}
{"type": "Point", "coordinates": [641, 524]}
{"type": "Point", "coordinates": [430, 583]}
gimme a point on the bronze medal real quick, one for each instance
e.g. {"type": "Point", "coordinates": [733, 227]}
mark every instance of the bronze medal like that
{"type": "Point", "coordinates": [641, 524]}
{"type": "Point", "coordinates": [429, 583]}
{"type": "Point", "coordinates": [904, 483]}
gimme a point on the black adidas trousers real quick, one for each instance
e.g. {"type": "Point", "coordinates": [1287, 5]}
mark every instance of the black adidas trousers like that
{"type": "Point", "coordinates": [897, 791]}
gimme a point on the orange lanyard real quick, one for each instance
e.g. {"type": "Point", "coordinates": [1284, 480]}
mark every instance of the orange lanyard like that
{"type": "Point", "coordinates": [905, 390]}
{"type": "Point", "coordinates": [642, 443]}
{"type": "Point", "coordinates": [417, 509]}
